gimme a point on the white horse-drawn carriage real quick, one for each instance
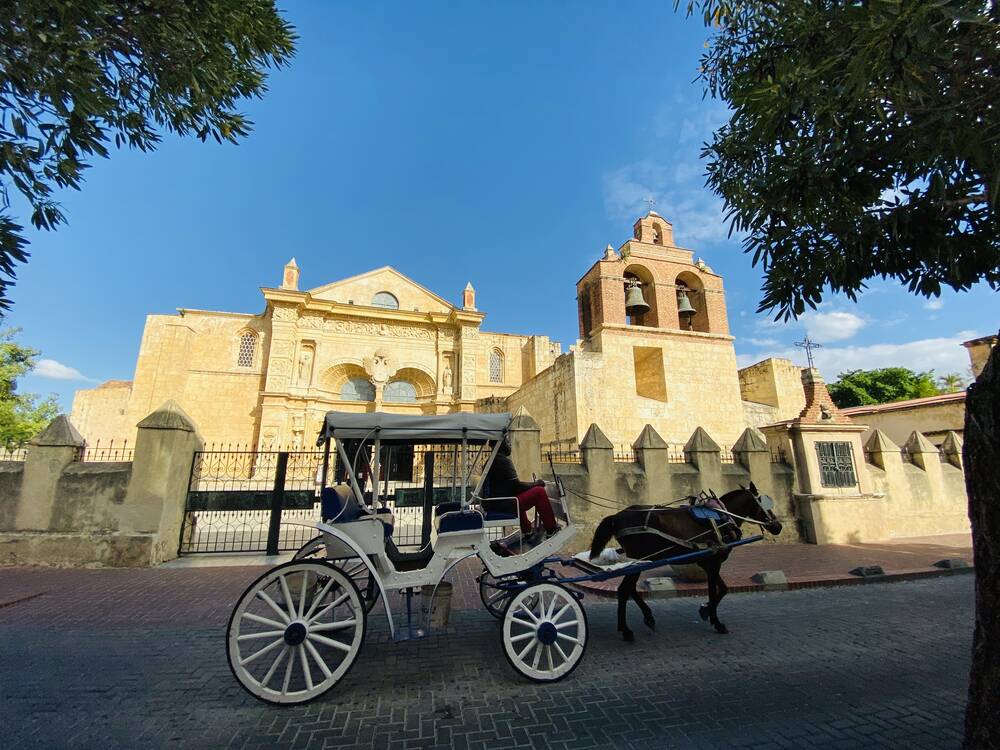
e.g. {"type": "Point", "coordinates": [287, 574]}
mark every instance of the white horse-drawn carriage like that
{"type": "Point", "coordinates": [298, 628]}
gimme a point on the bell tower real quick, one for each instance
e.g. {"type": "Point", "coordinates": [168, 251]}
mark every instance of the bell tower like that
{"type": "Point", "coordinates": [652, 284]}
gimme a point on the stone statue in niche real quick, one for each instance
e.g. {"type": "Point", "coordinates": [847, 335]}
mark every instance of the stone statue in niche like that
{"type": "Point", "coordinates": [305, 366]}
{"type": "Point", "coordinates": [446, 379]}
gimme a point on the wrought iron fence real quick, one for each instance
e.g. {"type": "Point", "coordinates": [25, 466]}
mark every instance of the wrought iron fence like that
{"type": "Point", "coordinates": [726, 455]}
{"type": "Point", "coordinates": [110, 451]}
{"type": "Point", "coordinates": [249, 501]}
{"type": "Point", "coordinates": [625, 454]}
{"type": "Point", "coordinates": [778, 456]}
{"type": "Point", "coordinates": [13, 452]}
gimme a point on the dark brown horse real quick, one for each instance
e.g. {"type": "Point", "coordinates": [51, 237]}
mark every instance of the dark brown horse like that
{"type": "Point", "coordinates": [655, 532]}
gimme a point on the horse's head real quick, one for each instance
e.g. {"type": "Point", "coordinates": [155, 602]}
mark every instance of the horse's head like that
{"type": "Point", "coordinates": [750, 503]}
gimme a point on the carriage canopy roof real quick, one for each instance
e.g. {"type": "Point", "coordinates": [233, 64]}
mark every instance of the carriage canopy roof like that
{"type": "Point", "coordinates": [413, 427]}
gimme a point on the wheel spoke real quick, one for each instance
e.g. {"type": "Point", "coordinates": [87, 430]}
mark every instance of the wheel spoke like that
{"type": "Point", "coordinates": [335, 603]}
{"type": "Point", "coordinates": [567, 624]}
{"type": "Point", "coordinates": [555, 618]}
{"type": "Point", "coordinates": [548, 655]}
{"type": "Point", "coordinates": [288, 674]}
{"type": "Point", "coordinates": [302, 595]}
{"type": "Point", "coordinates": [529, 613]}
{"type": "Point", "coordinates": [263, 620]}
{"type": "Point", "coordinates": [531, 645]}
{"type": "Point", "coordinates": [318, 659]}
{"type": "Point", "coordinates": [270, 602]}
{"type": "Point", "coordinates": [561, 652]}
{"type": "Point", "coordinates": [342, 625]}
{"type": "Point", "coordinates": [318, 599]}
{"type": "Point", "coordinates": [287, 595]}
{"type": "Point", "coordinates": [569, 638]}
{"type": "Point", "coordinates": [522, 637]}
{"type": "Point", "coordinates": [262, 634]}
{"type": "Point", "coordinates": [330, 642]}
{"type": "Point", "coordinates": [274, 666]}
{"type": "Point", "coordinates": [538, 655]}
{"type": "Point", "coordinates": [266, 650]}
{"type": "Point", "coordinates": [305, 668]}
{"type": "Point", "coordinates": [552, 606]}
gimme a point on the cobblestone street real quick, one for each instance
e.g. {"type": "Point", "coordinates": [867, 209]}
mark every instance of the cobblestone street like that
{"type": "Point", "coordinates": [136, 658]}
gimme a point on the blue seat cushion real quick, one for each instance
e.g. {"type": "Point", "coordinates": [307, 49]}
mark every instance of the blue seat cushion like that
{"type": "Point", "coordinates": [338, 504]}
{"type": "Point", "coordinates": [449, 507]}
{"type": "Point", "coordinates": [459, 522]}
{"type": "Point", "coordinates": [704, 513]}
{"type": "Point", "coordinates": [490, 516]}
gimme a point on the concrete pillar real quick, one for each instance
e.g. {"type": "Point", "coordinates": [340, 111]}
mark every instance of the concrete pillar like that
{"type": "Point", "coordinates": [928, 458]}
{"type": "Point", "coordinates": [752, 453]}
{"type": "Point", "coordinates": [952, 449]}
{"type": "Point", "coordinates": [49, 453]}
{"type": "Point", "coordinates": [704, 454]}
{"type": "Point", "coordinates": [161, 469]}
{"type": "Point", "coordinates": [525, 444]}
{"type": "Point", "coordinates": [652, 452]}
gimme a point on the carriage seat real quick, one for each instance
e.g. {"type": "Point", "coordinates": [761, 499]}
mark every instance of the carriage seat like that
{"type": "Point", "coordinates": [499, 510]}
{"type": "Point", "coordinates": [459, 521]}
{"type": "Point", "coordinates": [338, 504]}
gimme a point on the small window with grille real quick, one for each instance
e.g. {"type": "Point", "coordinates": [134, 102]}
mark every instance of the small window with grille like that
{"type": "Point", "coordinates": [496, 366]}
{"type": "Point", "coordinates": [248, 345]}
{"type": "Point", "coordinates": [836, 464]}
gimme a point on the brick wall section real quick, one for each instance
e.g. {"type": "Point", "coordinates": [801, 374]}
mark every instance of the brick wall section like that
{"type": "Point", "coordinates": [818, 397]}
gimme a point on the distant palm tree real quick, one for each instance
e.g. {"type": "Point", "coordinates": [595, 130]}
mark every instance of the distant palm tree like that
{"type": "Point", "coordinates": [951, 382]}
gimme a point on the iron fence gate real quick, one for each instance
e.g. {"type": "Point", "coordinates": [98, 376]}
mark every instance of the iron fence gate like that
{"type": "Point", "coordinates": [267, 501]}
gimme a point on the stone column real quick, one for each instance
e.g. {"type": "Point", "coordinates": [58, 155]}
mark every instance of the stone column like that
{"type": "Point", "coordinates": [161, 470]}
{"type": "Point", "coordinates": [752, 453]}
{"type": "Point", "coordinates": [651, 450]}
{"type": "Point", "coordinates": [705, 455]}
{"type": "Point", "coordinates": [526, 448]}
{"type": "Point", "coordinates": [49, 453]}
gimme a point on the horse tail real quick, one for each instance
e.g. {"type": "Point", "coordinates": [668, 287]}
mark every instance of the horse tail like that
{"type": "Point", "coordinates": [605, 530]}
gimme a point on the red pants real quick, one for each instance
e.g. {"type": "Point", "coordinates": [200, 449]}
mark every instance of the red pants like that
{"type": "Point", "coordinates": [536, 498]}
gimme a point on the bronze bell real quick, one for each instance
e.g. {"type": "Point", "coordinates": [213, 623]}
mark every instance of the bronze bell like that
{"type": "Point", "coordinates": [684, 304]}
{"type": "Point", "coordinates": [635, 304]}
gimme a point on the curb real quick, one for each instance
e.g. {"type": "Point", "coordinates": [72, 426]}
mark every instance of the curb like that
{"type": "Point", "coordinates": [691, 590]}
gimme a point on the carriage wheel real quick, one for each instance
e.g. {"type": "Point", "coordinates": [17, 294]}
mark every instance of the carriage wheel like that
{"type": "Point", "coordinates": [315, 548]}
{"type": "Point", "coordinates": [544, 632]}
{"type": "Point", "coordinates": [494, 598]}
{"type": "Point", "coordinates": [295, 632]}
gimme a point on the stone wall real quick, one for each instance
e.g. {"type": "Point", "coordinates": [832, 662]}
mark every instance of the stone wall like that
{"type": "Point", "coordinates": [934, 417]}
{"type": "Point", "coordinates": [56, 509]}
{"type": "Point", "coordinates": [776, 383]}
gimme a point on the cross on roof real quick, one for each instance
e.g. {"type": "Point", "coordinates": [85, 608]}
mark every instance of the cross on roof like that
{"type": "Point", "coordinates": [651, 202]}
{"type": "Point", "coordinates": [809, 345]}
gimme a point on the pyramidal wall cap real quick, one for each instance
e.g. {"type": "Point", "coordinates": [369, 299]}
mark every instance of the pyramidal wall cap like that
{"type": "Point", "coordinates": [596, 439]}
{"type": "Point", "coordinates": [918, 443]}
{"type": "Point", "coordinates": [952, 443]}
{"type": "Point", "coordinates": [879, 442]}
{"type": "Point", "coordinates": [701, 442]}
{"type": "Point", "coordinates": [523, 420]}
{"type": "Point", "coordinates": [60, 433]}
{"type": "Point", "coordinates": [170, 416]}
{"type": "Point", "coordinates": [649, 438]}
{"type": "Point", "coordinates": [751, 441]}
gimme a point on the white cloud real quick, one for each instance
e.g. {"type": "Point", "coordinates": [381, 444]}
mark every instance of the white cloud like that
{"type": "Point", "coordinates": [934, 304]}
{"type": "Point", "coordinates": [832, 326]}
{"type": "Point", "coordinates": [764, 342]}
{"type": "Point", "coordinates": [53, 370]}
{"type": "Point", "coordinates": [943, 355]}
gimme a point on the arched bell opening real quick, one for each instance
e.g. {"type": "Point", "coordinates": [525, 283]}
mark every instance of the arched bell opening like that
{"type": "Point", "coordinates": [692, 310]}
{"type": "Point", "coordinates": [640, 297]}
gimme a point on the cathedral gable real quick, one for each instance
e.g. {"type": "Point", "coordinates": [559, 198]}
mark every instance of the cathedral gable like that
{"type": "Point", "coordinates": [384, 287]}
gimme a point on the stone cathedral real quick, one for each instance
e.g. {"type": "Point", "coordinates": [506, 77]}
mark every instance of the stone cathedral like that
{"type": "Point", "coordinates": [654, 348]}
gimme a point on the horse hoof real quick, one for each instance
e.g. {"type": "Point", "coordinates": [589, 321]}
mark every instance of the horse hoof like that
{"type": "Point", "coordinates": [721, 629]}
{"type": "Point", "coordinates": [649, 622]}
{"type": "Point", "coordinates": [628, 636]}
{"type": "Point", "coordinates": [703, 612]}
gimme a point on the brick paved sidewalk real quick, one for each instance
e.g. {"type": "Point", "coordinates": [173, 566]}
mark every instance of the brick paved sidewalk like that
{"type": "Point", "coordinates": [809, 565]}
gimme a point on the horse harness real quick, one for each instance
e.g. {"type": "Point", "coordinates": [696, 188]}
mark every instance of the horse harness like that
{"type": "Point", "coordinates": [707, 502]}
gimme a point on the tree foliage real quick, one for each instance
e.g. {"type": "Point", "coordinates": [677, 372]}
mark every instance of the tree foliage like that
{"type": "Point", "coordinates": [79, 75]}
{"type": "Point", "coordinates": [863, 142]}
{"type": "Point", "coordinates": [864, 387]}
{"type": "Point", "coordinates": [22, 415]}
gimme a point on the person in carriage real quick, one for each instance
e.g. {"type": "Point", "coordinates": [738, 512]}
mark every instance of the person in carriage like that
{"type": "Point", "coordinates": [503, 483]}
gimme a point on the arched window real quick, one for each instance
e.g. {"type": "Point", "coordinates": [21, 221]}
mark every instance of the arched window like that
{"type": "Point", "coordinates": [386, 300]}
{"type": "Point", "coordinates": [357, 389]}
{"type": "Point", "coordinates": [400, 392]}
{"type": "Point", "coordinates": [496, 366]}
{"type": "Point", "coordinates": [248, 346]}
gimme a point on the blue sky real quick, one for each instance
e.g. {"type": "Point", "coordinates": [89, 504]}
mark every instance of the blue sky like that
{"type": "Point", "coordinates": [500, 143]}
